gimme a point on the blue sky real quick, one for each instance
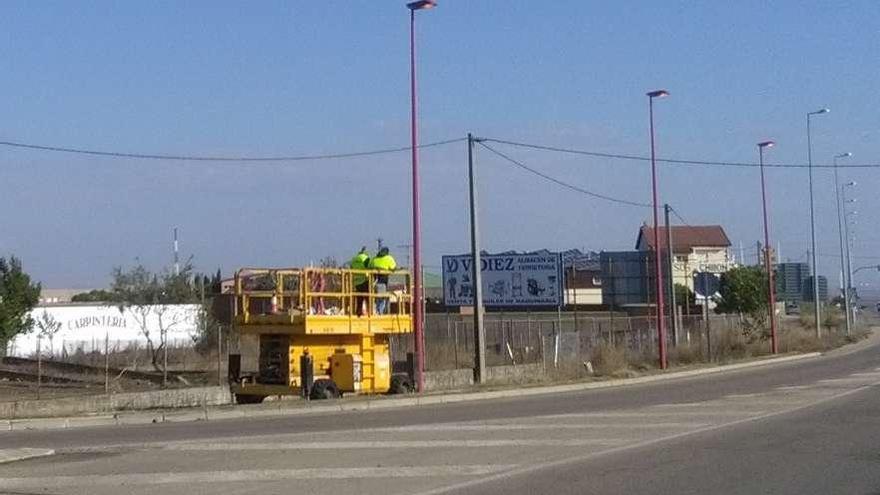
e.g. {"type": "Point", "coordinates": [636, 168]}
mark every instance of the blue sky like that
{"type": "Point", "coordinates": [298, 77]}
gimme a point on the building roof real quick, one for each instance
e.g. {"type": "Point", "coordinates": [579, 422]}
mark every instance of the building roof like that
{"type": "Point", "coordinates": [684, 237]}
{"type": "Point", "coordinates": [59, 296]}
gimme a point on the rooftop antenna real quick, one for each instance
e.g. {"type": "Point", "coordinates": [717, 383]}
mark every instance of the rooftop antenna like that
{"type": "Point", "coordinates": [176, 255]}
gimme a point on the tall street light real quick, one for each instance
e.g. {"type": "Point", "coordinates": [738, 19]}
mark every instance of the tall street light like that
{"type": "Point", "coordinates": [816, 302]}
{"type": "Point", "coordinates": [661, 320]}
{"type": "Point", "coordinates": [771, 285]}
{"type": "Point", "coordinates": [418, 329]}
{"type": "Point", "coordinates": [843, 271]}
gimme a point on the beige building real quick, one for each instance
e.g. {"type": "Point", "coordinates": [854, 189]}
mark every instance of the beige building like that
{"type": "Point", "coordinates": [700, 248]}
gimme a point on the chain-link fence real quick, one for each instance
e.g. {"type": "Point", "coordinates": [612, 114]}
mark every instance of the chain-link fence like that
{"type": "Point", "coordinates": [562, 339]}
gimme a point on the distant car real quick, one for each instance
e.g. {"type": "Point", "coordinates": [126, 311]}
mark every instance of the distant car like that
{"type": "Point", "coordinates": [792, 308]}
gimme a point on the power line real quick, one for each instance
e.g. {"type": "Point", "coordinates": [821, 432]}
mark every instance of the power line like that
{"type": "Point", "coordinates": [677, 215]}
{"type": "Point", "coordinates": [865, 257]}
{"type": "Point", "coordinates": [242, 159]}
{"type": "Point", "coordinates": [330, 156]}
{"type": "Point", "coordinates": [619, 156]}
{"type": "Point", "coordinates": [563, 183]}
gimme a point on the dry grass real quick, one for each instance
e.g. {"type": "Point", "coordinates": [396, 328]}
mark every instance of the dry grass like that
{"type": "Point", "coordinates": [610, 360]}
{"type": "Point", "coordinates": [798, 338]}
{"type": "Point", "coordinates": [685, 354]}
{"type": "Point", "coordinates": [832, 317]}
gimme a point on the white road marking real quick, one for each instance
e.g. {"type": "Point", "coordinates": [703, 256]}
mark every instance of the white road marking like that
{"type": "Point", "coordinates": [51, 482]}
{"type": "Point", "coordinates": [647, 415]}
{"type": "Point", "coordinates": [394, 444]}
{"type": "Point", "coordinates": [734, 407]}
{"type": "Point", "coordinates": [874, 375]}
{"type": "Point", "coordinates": [843, 381]}
{"type": "Point", "coordinates": [531, 426]}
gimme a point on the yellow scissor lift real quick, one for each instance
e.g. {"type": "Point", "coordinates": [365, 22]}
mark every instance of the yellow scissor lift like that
{"type": "Point", "coordinates": [299, 318]}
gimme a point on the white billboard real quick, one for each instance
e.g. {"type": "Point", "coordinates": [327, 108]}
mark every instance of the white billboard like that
{"type": "Point", "coordinates": [507, 280]}
{"type": "Point", "coordinates": [87, 326]}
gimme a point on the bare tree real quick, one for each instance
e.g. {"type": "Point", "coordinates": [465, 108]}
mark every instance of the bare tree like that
{"type": "Point", "coordinates": [150, 297]}
{"type": "Point", "coordinates": [48, 326]}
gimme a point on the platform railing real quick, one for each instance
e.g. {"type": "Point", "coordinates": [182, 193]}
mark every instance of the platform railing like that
{"type": "Point", "coordinates": [316, 292]}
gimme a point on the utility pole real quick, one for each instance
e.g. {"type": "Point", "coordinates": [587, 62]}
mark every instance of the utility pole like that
{"type": "Point", "coordinates": [844, 281]}
{"type": "Point", "coordinates": [671, 257]}
{"type": "Point", "coordinates": [219, 355]}
{"type": "Point", "coordinates": [476, 268]}
{"type": "Point", "coordinates": [574, 293]}
{"type": "Point", "coordinates": [850, 288]}
{"type": "Point", "coordinates": [408, 248]}
{"type": "Point", "coordinates": [107, 363]}
{"type": "Point", "coordinates": [176, 255]}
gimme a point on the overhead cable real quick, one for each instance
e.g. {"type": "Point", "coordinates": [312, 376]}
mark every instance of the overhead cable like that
{"type": "Point", "coordinates": [619, 156]}
{"type": "Point", "coordinates": [203, 158]}
{"type": "Point", "coordinates": [563, 183]}
{"type": "Point", "coordinates": [675, 212]}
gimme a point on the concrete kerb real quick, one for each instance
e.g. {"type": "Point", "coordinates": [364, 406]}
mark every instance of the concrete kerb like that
{"type": "Point", "coordinates": [241, 412]}
{"type": "Point", "coordinates": [12, 455]}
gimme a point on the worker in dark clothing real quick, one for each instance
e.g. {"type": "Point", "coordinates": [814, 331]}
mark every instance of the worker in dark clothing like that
{"type": "Point", "coordinates": [361, 261]}
{"type": "Point", "coordinates": [383, 262]}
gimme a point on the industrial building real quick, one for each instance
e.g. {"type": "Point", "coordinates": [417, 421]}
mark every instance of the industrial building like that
{"type": "Point", "coordinates": [790, 281]}
{"type": "Point", "coordinates": [808, 289]}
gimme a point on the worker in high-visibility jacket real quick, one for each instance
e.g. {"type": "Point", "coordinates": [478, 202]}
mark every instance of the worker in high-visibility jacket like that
{"type": "Point", "coordinates": [385, 262]}
{"type": "Point", "coordinates": [361, 261]}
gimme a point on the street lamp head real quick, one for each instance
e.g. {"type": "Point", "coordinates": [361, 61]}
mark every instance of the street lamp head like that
{"type": "Point", "coordinates": [766, 144]}
{"type": "Point", "coordinates": [850, 184]}
{"type": "Point", "coordinates": [820, 111]}
{"type": "Point", "coordinates": [660, 93]}
{"type": "Point", "coordinates": [421, 5]}
{"type": "Point", "coordinates": [843, 155]}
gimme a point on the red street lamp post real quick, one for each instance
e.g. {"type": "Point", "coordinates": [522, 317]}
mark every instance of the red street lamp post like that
{"type": "Point", "coordinates": [661, 320]}
{"type": "Point", "coordinates": [418, 317]}
{"type": "Point", "coordinates": [771, 285]}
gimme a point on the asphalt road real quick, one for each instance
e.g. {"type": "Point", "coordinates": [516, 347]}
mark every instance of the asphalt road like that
{"type": "Point", "coordinates": [806, 427]}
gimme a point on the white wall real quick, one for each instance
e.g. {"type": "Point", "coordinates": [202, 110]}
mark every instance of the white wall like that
{"type": "Point", "coordinates": [590, 296]}
{"type": "Point", "coordinates": [88, 326]}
